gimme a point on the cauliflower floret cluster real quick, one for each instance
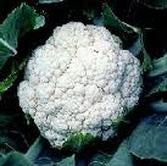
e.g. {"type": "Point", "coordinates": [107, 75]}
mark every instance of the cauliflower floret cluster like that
{"type": "Point", "coordinates": [80, 81]}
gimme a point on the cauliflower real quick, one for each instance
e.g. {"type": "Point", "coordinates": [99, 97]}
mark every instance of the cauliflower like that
{"type": "Point", "coordinates": [80, 81]}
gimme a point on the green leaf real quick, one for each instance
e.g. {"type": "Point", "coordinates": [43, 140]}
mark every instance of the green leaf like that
{"type": "Point", "coordinates": [122, 157]}
{"type": "Point", "coordinates": [41, 153]}
{"type": "Point", "coordinates": [160, 87]}
{"type": "Point", "coordinates": [157, 4]}
{"type": "Point", "coordinates": [14, 159]}
{"type": "Point", "coordinates": [5, 139]}
{"type": "Point", "coordinates": [147, 61]}
{"type": "Point", "coordinates": [20, 21]}
{"type": "Point", "coordinates": [100, 159]}
{"type": "Point", "coordinates": [110, 19]}
{"type": "Point", "coordinates": [136, 48]}
{"type": "Point", "coordinates": [159, 67]}
{"type": "Point", "coordinates": [149, 139]}
{"type": "Point", "coordinates": [158, 106]}
{"type": "Point", "coordinates": [5, 52]}
{"type": "Point", "coordinates": [11, 78]}
{"type": "Point", "coordinates": [11, 139]}
{"type": "Point", "coordinates": [6, 119]}
{"type": "Point", "coordinates": [69, 161]}
{"type": "Point", "coordinates": [78, 141]}
{"type": "Point", "coordinates": [49, 1]}
{"type": "Point", "coordinates": [35, 149]}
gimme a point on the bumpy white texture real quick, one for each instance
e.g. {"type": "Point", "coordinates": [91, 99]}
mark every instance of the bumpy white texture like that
{"type": "Point", "coordinates": [79, 81]}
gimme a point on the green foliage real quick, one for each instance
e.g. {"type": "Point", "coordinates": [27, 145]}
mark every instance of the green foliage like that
{"type": "Point", "coordinates": [124, 30]}
{"type": "Point", "coordinates": [22, 20]}
{"type": "Point", "coordinates": [34, 155]}
{"type": "Point", "coordinates": [157, 4]}
{"type": "Point", "coordinates": [149, 139]}
{"type": "Point", "coordinates": [6, 119]}
{"type": "Point", "coordinates": [159, 67]}
{"type": "Point", "coordinates": [160, 87]}
{"type": "Point", "coordinates": [128, 33]}
{"type": "Point", "coordinates": [158, 72]}
{"type": "Point", "coordinates": [121, 157]}
{"type": "Point", "coordinates": [100, 159]}
{"type": "Point", "coordinates": [14, 159]}
{"type": "Point", "coordinates": [38, 147]}
{"type": "Point", "coordinates": [112, 20]}
{"type": "Point", "coordinates": [35, 149]}
{"type": "Point", "coordinates": [147, 61]}
{"type": "Point", "coordinates": [70, 161]}
{"type": "Point", "coordinates": [159, 106]}
{"type": "Point", "coordinates": [78, 141]}
{"type": "Point", "coordinates": [49, 1]}
{"type": "Point", "coordinates": [11, 78]}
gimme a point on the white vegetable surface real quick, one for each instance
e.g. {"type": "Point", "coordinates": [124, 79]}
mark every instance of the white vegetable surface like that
{"type": "Point", "coordinates": [80, 81]}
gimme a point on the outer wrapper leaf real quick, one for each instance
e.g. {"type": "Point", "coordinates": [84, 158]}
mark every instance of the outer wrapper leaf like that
{"type": "Point", "coordinates": [40, 153]}
{"type": "Point", "coordinates": [35, 149]}
{"type": "Point", "coordinates": [110, 19]}
{"type": "Point", "coordinates": [100, 159]}
{"type": "Point", "coordinates": [126, 32]}
{"type": "Point", "coordinates": [147, 61]}
{"type": "Point", "coordinates": [158, 106]}
{"type": "Point", "coordinates": [160, 87]}
{"type": "Point", "coordinates": [157, 4]}
{"type": "Point", "coordinates": [122, 157]}
{"type": "Point", "coordinates": [70, 161]}
{"type": "Point", "coordinates": [149, 139]}
{"type": "Point", "coordinates": [14, 159]}
{"type": "Point", "coordinates": [159, 67]}
{"type": "Point", "coordinates": [78, 141]}
{"type": "Point", "coordinates": [11, 78]}
{"type": "Point", "coordinates": [22, 20]}
{"type": "Point", "coordinates": [49, 1]}
{"type": "Point", "coordinates": [159, 74]}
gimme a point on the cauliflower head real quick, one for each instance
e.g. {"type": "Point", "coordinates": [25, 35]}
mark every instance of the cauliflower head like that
{"type": "Point", "coordinates": [79, 81]}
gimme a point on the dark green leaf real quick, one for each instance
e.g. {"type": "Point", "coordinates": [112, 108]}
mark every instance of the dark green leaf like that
{"type": "Point", "coordinates": [49, 1]}
{"type": "Point", "coordinates": [159, 106]}
{"type": "Point", "coordinates": [159, 67]}
{"type": "Point", "coordinates": [136, 48]}
{"type": "Point", "coordinates": [22, 20]}
{"type": "Point", "coordinates": [41, 153]}
{"type": "Point", "coordinates": [122, 157]}
{"type": "Point", "coordinates": [157, 4]}
{"type": "Point", "coordinates": [78, 141]}
{"type": "Point", "coordinates": [69, 161]}
{"type": "Point", "coordinates": [6, 120]}
{"type": "Point", "coordinates": [5, 51]}
{"type": "Point", "coordinates": [14, 159]}
{"type": "Point", "coordinates": [160, 87]}
{"type": "Point", "coordinates": [11, 139]}
{"type": "Point", "coordinates": [6, 140]}
{"type": "Point", "coordinates": [8, 82]}
{"type": "Point", "coordinates": [35, 149]}
{"type": "Point", "coordinates": [149, 139]}
{"type": "Point", "coordinates": [110, 19]}
{"type": "Point", "coordinates": [147, 61]}
{"type": "Point", "coordinates": [100, 159]}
